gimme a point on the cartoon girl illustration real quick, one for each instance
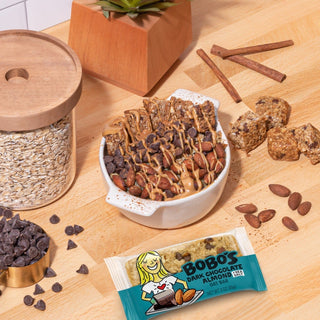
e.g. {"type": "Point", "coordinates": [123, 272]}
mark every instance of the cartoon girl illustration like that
{"type": "Point", "coordinates": [154, 277]}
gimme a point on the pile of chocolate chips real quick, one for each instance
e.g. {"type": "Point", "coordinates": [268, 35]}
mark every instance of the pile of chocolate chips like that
{"type": "Point", "coordinates": [21, 242]}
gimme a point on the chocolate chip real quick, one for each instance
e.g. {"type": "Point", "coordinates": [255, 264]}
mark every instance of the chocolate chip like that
{"type": "Point", "coordinates": [1, 211]}
{"type": "Point", "coordinates": [69, 230]}
{"type": "Point", "coordinates": [150, 138]}
{"type": "Point", "coordinates": [7, 213]}
{"type": "Point", "coordinates": [40, 305]}
{"type": "Point", "coordinates": [50, 273]}
{"type": "Point", "coordinates": [178, 256]}
{"type": "Point", "coordinates": [38, 289]}
{"type": "Point", "coordinates": [28, 300]}
{"type": "Point", "coordinates": [71, 245]}
{"type": "Point", "coordinates": [77, 229]}
{"type": "Point", "coordinates": [54, 219]}
{"type": "Point", "coordinates": [209, 246]}
{"type": "Point", "coordinates": [111, 167]}
{"type": "Point", "coordinates": [220, 250]}
{"type": "Point", "coordinates": [56, 287]}
{"type": "Point", "coordinates": [192, 132]}
{"type": "Point", "coordinates": [32, 252]}
{"type": "Point", "coordinates": [19, 262]}
{"type": "Point", "coordinates": [186, 256]}
{"type": "Point", "coordinates": [108, 159]}
{"type": "Point", "coordinates": [83, 269]}
{"type": "Point", "coordinates": [43, 244]}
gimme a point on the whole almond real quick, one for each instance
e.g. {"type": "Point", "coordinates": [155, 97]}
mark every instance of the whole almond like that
{"type": "Point", "coordinates": [131, 177]}
{"type": "Point", "coordinates": [252, 220]}
{"type": "Point", "coordinates": [188, 295]}
{"type": "Point", "coordinates": [279, 190]}
{"type": "Point", "coordinates": [220, 150]}
{"type": "Point", "coordinates": [294, 200]}
{"type": "Point", "coordinates": [171, 175]}
{"type": "Point", "coordinates": [141, 179]}
{"type": "Point", "coordinates": [190, 165]}
{"type": "Point", "coordinates": [200, 160]}
{"type": "Point", "coordinates": [178, 296]}
{"type": "Point", "coordinates": [246, 208]}
{"type": "Point", "coordinates": [206, 146]}
{"type": "Point", "coordinates": [212, 160]}
{"type": "Point", "coordinates": [304, 208]}
{"type": "Point", "coordinates": [135, 190]}
{"type": "Point", "coordinates": [164, 183]}
{"type": "Point", "coordinates": [118, 181]}
{"type": "Point", "coordinates": [144, 193]}
{"type": "Point", "coordinates": [266, 215]}
{"type": "Point", "coordinates": [220, 165]}
{"type": "Point", "coordinates": [290, 224]}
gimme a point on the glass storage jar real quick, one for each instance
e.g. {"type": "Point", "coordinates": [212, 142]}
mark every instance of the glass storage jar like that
{"type": "Point", "coordinates": [40, 84]}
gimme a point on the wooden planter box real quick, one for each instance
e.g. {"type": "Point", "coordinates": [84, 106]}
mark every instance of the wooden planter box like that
{"type": "Point", "coordinates": [132, 54]}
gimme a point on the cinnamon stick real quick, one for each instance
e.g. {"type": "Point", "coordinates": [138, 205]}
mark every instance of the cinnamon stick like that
{"type": "Point", "coordinates": [223, 79]}
{"type": "Point", "coordinates": [251, 64]}
{"type": "Point", "coordinates": [255, 49]}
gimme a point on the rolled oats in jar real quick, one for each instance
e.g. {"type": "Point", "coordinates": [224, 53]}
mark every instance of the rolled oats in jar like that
{"type": "Point", "coordinates": [38, 92]}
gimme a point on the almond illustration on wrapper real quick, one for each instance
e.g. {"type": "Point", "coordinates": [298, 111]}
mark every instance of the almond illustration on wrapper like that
{"type": "Point", "coordinates": [188, 295]}
{"type": "Point", "coordinates": [179, 296]}
{"type": "Point", "coordinates": [279, 190]}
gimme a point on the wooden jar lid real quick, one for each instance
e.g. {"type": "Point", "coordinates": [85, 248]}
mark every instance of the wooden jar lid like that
{"type": "Point", "coordinates": [40, 80]}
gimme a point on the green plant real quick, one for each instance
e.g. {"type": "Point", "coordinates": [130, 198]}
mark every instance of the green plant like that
{"type": "Point", "coordinates": [133, 7]}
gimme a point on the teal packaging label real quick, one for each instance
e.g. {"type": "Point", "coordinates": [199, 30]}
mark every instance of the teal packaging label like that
{"type": "Point", "coordinates": [161, 291]}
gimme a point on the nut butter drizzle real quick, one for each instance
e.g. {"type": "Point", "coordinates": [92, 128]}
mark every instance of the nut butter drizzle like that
{"type": "Point", "coordinates": [171, 165]}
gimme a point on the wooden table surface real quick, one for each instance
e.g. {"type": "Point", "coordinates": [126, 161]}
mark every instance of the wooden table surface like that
{"type": "Point", "coordinates": [289, 260]}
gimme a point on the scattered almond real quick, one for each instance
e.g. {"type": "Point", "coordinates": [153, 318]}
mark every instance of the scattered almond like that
{"type": "Point", "coordinates": [252, 220]}
{"type": "Point", "coordinates": [294, 200]}
{"type": "Point", "coordinates": [304, 208]}
{"type": "Point", "coordinates": [247, 208]}
{"type": "Point", "coordinates": [279, 190]}
{"type": "Point", "coordinates": [266, 215]}
{"type": "Point", "coordinates": [290, 224]}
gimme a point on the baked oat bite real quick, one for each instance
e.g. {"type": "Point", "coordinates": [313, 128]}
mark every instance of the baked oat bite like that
{"type": "Point", "coordinates": [276, 111]}
{"type": "Point", "coordinates": [248, 131]}
{"type": "Point", "coordinates": [308, 139]}
{"type": "Point", "coordinates": [282, 144]}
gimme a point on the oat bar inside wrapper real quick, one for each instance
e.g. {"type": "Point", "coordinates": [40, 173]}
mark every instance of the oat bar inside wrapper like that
{"type": "Point", "coordinates": [169, 278]}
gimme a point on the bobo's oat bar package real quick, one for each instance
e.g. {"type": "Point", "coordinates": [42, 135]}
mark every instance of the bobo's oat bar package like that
{"type": "Point", "coordinates": [173, 277]}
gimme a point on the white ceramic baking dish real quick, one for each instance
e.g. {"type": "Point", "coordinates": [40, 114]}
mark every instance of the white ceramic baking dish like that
{"type": "Point", "coordinates": [173, 213]}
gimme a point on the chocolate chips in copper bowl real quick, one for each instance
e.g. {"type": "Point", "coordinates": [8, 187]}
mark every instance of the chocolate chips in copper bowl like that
{"type": "Point", "coordinates": [165, 164]}
{"type": "Point", "coordinates": [24, 252]}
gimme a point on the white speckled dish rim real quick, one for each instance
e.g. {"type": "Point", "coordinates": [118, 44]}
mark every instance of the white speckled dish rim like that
{"type": "Point", "coordinates": [145, 207]}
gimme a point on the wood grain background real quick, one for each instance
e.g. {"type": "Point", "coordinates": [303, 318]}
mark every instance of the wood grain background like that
{"type": "Point", "coordinates": [289, 260]}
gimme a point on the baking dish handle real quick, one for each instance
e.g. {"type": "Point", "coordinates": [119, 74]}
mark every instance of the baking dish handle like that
{"type": "Point", "coordinates": [124, 201]}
